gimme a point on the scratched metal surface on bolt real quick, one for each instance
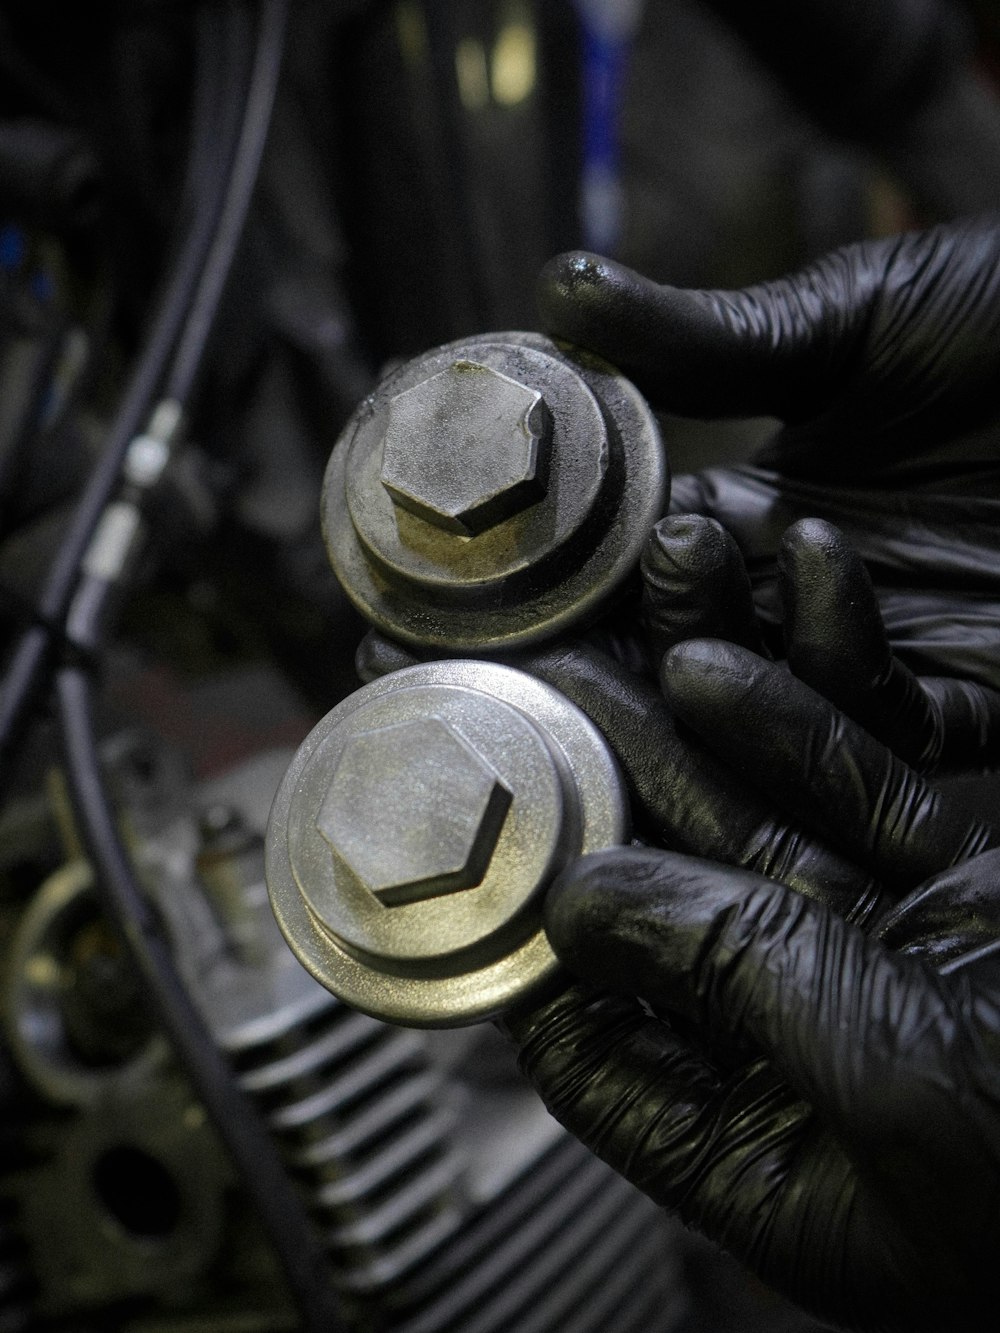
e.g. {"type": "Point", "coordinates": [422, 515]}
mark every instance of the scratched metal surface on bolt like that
{"type": "Point", "coordinates": [478, 499]}
{"type": "Point", "coordinates": [415, 832]}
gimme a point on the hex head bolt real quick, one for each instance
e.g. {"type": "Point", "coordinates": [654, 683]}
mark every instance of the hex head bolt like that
{"type": "Point", "coordinates": [492, 493]}
{"type": "Point", "coordinates": [420, 775]}
{"type": "Point", "coordinates": [466, 448]}
{"type": "Point", "coordinates": [412, 839]}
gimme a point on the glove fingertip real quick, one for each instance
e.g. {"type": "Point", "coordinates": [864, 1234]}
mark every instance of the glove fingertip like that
{"type": "Point", "coordinates": [689, 544]}
{"type": "Point", "coordinates": [587, 299]}
{"type": "Point", "coordinates": [814, 551]}
{"type": "Point", "coordinates": [833, 623]}
{"type": "Point", "coordinates": [812, 535]}
{"type": "Point", "coordinates": [695, 584]}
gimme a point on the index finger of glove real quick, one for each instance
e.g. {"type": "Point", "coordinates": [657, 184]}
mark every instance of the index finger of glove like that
{"type": "Point", "coordinates": [818, 765]}
{"type": "Point", "coordinates": [837, 643]}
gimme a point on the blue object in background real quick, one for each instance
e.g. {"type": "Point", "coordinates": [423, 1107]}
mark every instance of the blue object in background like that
{"type": "Point", "coordinates": [42, 286]}
{"type": "Point", "coordinates": [609, 29]}
{"type": "Point", "coordinates": [13, 247]}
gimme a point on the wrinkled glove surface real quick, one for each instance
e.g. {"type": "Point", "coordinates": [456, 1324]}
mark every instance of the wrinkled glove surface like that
{"type": "Point", "coordinates": [820, 1097]}
{"type": "Point", "coordinates": [882, 361]}
{"type": "Point", "coordinates": [811, 1079]}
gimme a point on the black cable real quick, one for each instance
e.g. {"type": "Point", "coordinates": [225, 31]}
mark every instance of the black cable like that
{"type": "Point", "coordinates": [94, 594]}
{"type": "Point", "coordinates": [212, 99]}
{"type": "Point", "coordinates": [167, 323]}
{"type": "Point", "coordinates": [239, 191]}
{"type": "Point", "coordinates": [218, 41]}
{"type": "Point", "coordinates": [180, 333]}
{"type": "Point", "coordinates": [251, 1149]}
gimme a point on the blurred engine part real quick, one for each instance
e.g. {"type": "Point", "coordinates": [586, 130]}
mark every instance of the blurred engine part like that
{"type": "Point", "coordinates": [450, 793]}
{"type": "Point", "coordinates": [457, 163]}
{"type": "Point", "coordinates": [492, 493]}
{"type": "Point", "coordinates": [445, 1196]}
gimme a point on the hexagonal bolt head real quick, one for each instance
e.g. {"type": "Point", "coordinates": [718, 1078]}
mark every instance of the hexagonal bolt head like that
{"type": "Point", "coordinates": [413, 811]}
{"type": "Point", "coordinates": [466, 448]}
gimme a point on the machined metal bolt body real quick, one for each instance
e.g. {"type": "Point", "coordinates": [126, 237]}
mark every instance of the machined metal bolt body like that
{"type": "Point", "coordinates": [417, 775]}
{"type": "Point", "coordinates": [466, 448]}
{"type": "Point", "coordinates": [493, 493]}
{"type": "Point", "coordinates": [414, 834]}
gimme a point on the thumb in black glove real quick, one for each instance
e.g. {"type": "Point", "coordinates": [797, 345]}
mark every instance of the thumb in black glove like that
{"type": "Point", "coordinates": [883, 362]}
{"type": "Point", "coordinates": [854, 1161]}
{"type": "Point", "coordinates": [868, 355]}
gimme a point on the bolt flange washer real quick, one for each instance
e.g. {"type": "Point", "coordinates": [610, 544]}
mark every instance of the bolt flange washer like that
{"type": "Point", "coordinates": [492, 492]}
{"type": "Point", "coordinates": [414, 834]}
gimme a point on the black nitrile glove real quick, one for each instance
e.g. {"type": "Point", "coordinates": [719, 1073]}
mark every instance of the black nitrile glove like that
{"type": "Point", "coordinates": [683, 797]}
{"type": "Point", "coordinates": [883, 362]}
{"type": "Point", "coordinates": [820, 1099]}
{"type": "Point", "coordinates": [834, 639]}
{"type": "Point", "coordinates": [871, 355]}
{"type": "Point", "coordinates": [854, 1165]}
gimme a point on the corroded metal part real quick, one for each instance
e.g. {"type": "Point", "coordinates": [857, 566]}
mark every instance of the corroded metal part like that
{"type": "Point", "coordinates": [492, 493]}
{"type": "Point", "coordinates": [466, 448]}
{"type": "Point", "coordinates": [415, 832]}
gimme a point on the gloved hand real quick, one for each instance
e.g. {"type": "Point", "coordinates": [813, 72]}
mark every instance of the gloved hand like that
{"type": "Point", "coordinates": [871, 355]}
{"type": "Point", "coordinates": [695, 585]}
{"type": "Point", "coordinates": [822, 1100]}
{"type": "Point", "coordinates": [683, 797]}
{"type": "Point", "coordinates": [883, 362]}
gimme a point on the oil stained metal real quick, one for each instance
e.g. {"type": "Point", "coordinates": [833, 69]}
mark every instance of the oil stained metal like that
{"type": "Point", "coordinates": [414, 835]}
{"type": "Point", "coordinates": [493, 493]}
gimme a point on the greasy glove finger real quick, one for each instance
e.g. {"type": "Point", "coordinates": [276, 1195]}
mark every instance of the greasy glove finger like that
{"type": "Point", "coordinates": [684, 797]}
{"type": "Point", "coordinates": [870, 354]}
{"type": "Point", "coordinates": [776, 349]}
{"type": "Point", "coordinates": [695, 585]}
{"type": "Point", "coordinates": [836, 643]}
{"type": "Point", "coordinates": [828, 773]}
